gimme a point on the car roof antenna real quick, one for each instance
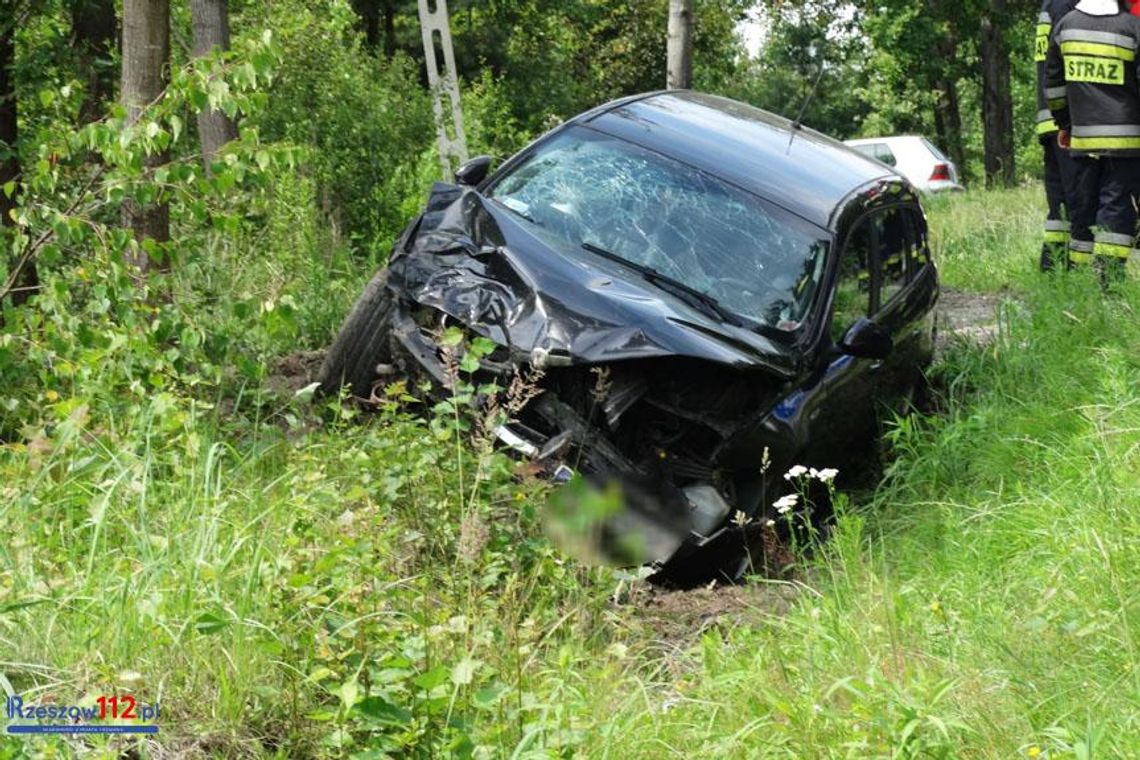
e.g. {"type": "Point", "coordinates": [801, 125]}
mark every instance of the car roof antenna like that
{"type": "Point", "coordinates": [797, 125]}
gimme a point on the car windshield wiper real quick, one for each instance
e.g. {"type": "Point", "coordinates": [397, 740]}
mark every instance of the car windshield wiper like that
{"type": "Point", "coordinates": [702, 301]}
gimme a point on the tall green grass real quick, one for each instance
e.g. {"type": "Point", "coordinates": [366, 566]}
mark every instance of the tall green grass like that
{"type": "Point", "coordinates": [986, 241]}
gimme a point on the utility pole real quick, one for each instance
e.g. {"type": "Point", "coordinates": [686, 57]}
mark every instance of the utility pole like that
{"type": "Point", "coordinates": [452, 140]}
{"type": "Point", "coordinates": [679, 45]}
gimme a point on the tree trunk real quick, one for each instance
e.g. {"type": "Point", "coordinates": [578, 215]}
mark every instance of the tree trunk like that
{"type": "Point", "coordinates": [146, 54]}
{"type": "Point", "coordinates": [93, 38]}
{"type": "Point", "coordinates": [212, 30]}
{"type": "Point", "coordinates": [27, 281]}
{"type": "Point", "coordinates": [389, 28]}
{"type": "Point", "coordinates": [948, 113]}
{"type": "Point", "coordinates": [369, 12]}
{"type": "Point", "coordinates": [679, 47]}
{"type": "Point", "coordinates": [997, 100]}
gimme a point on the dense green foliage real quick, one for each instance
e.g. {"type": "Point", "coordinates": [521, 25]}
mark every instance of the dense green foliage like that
{"type": "Point", "coordinates": [182, 521]}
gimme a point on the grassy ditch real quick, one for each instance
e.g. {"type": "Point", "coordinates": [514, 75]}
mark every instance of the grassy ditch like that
{"type": "Point", "coordinates": [293, 582]}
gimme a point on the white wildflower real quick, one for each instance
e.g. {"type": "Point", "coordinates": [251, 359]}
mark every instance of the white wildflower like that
{"type": "Point", "coordinates": [770, 523]}
{"type": "Point", "coordinates": [784, 504]}
{"type": "Point", "coordinates": [826, 475]}
{"type": "Point", "coordinates": [796, 472]}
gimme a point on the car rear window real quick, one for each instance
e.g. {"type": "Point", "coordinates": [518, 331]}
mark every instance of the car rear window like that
{"type": "Point", "coordinates": [586, 188]}
{"type": "Point", "coordinates": [934, 149]}
{"type": "Point", "coordinates": [879, 152]}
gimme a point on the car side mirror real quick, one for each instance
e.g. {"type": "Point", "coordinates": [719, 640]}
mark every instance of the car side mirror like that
{"type": "Point", "coordinates": [474, 171]}
{"type": "Point", "coordinates": [866, 340]}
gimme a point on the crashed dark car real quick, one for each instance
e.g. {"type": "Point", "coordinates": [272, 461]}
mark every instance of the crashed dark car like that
{"type": "Point", "coordinates": [712, 294]}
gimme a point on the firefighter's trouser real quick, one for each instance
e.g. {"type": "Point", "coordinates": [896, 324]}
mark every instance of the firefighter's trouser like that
{"type": "Point", "coordinates": [1060, 175]}
{"type": "Point", "coordinates": [1105, 192]}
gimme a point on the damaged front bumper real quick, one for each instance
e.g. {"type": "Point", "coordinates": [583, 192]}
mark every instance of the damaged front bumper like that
{"type": "Point", "coordinates": [653, 432]}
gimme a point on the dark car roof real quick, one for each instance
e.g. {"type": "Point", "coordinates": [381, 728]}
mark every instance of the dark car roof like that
{"type": "Point", "coordinates": [747, 146]}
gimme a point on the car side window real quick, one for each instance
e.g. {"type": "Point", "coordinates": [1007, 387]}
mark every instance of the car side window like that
{"type": "Point", "coordinates": [896, 242]}
{"type": "Point", "coordinates": [879, 152]}
{"type": "Point", "coordinates": [853, 283]}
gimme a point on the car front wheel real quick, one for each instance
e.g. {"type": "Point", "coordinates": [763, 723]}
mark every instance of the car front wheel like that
{"type": "Point", "coordinates": [362, 342]}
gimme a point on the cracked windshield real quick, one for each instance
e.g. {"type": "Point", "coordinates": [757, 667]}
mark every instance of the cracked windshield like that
{"type": "Point", "coordinates": [617, 199]}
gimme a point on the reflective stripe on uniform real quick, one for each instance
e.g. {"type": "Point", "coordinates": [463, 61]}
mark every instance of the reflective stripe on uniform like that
{"type": "Point", "coordinates": [1105, 143]}
{"type": "Point", "coordinates": [1056, 231]}
{"type": "Point", "coordinates": [1080, 251]}
{"type": "Point", "coordinates": [1116, 238]}
{"type": "Point", "coordinates": [1106, 130]}
{"type": "Point", "coordinates": [1120, 42]}
{"type": "Point", "coordinates": [1045, 123]}
{"type": "Point", "coordinates": [1056, 97]}
{"type": "Point", "coordinates": [1041, 41]}
{"type": "Point", "coordinates": [1112, 251]}
{"type": "Point", "coordinates": [1097, 49]}
{"type": "Point", "coordinates": [1045, 18]}
{"type": "Point", "coordinates": [1114, 244]}
{"type": "Point", "coordinates": [1106, 136]}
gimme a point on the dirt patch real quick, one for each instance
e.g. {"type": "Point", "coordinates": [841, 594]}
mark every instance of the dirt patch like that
{"type": "Point", "coordinates": [966, 316]}
{"type": "Point", "coordinates": [294, 371]}
{"type": "Point", "coordinates": [682, 616]}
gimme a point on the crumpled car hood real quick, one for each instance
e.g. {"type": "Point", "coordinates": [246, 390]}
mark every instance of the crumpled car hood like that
{"type": "Point", "coordinates": [475, 262]}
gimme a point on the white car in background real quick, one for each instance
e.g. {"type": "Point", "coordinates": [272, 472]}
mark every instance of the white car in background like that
{"type": "Point", "coordinates": [916, 158]}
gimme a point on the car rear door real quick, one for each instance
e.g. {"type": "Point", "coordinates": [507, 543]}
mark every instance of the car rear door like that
{"type": "Point", "coordinates": [883, 273]}
{"type": "Point", "coordinates": [906, 286]}
{"type": "Point", "coordinates": [839, 400]}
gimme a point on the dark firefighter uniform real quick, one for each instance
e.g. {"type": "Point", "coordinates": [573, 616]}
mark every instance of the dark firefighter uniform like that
{"type": "Point", "coordinates": [1059, 168]}
{"type": "Point", "coordinates": [1093, 91]}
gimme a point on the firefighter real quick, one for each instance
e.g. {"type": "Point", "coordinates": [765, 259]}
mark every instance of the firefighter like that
{"type": "Point", "coordinates": [1059, 169]}
{"type": "Point", "coordinates": [1093, 90]}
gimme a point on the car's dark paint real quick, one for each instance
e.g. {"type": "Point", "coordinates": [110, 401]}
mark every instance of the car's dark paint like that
{"type": "Point", "coordinates": [795, 399]}
{"type": "Point", "coordinates": [477, 263]}
{"type": "Point", "coordinates": [474, 171]}
{"type": "Point", "coordinates": [866, 340]}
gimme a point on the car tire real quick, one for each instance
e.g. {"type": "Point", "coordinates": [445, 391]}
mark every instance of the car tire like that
{"type": "Point", "coordinates": [362, 343]}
